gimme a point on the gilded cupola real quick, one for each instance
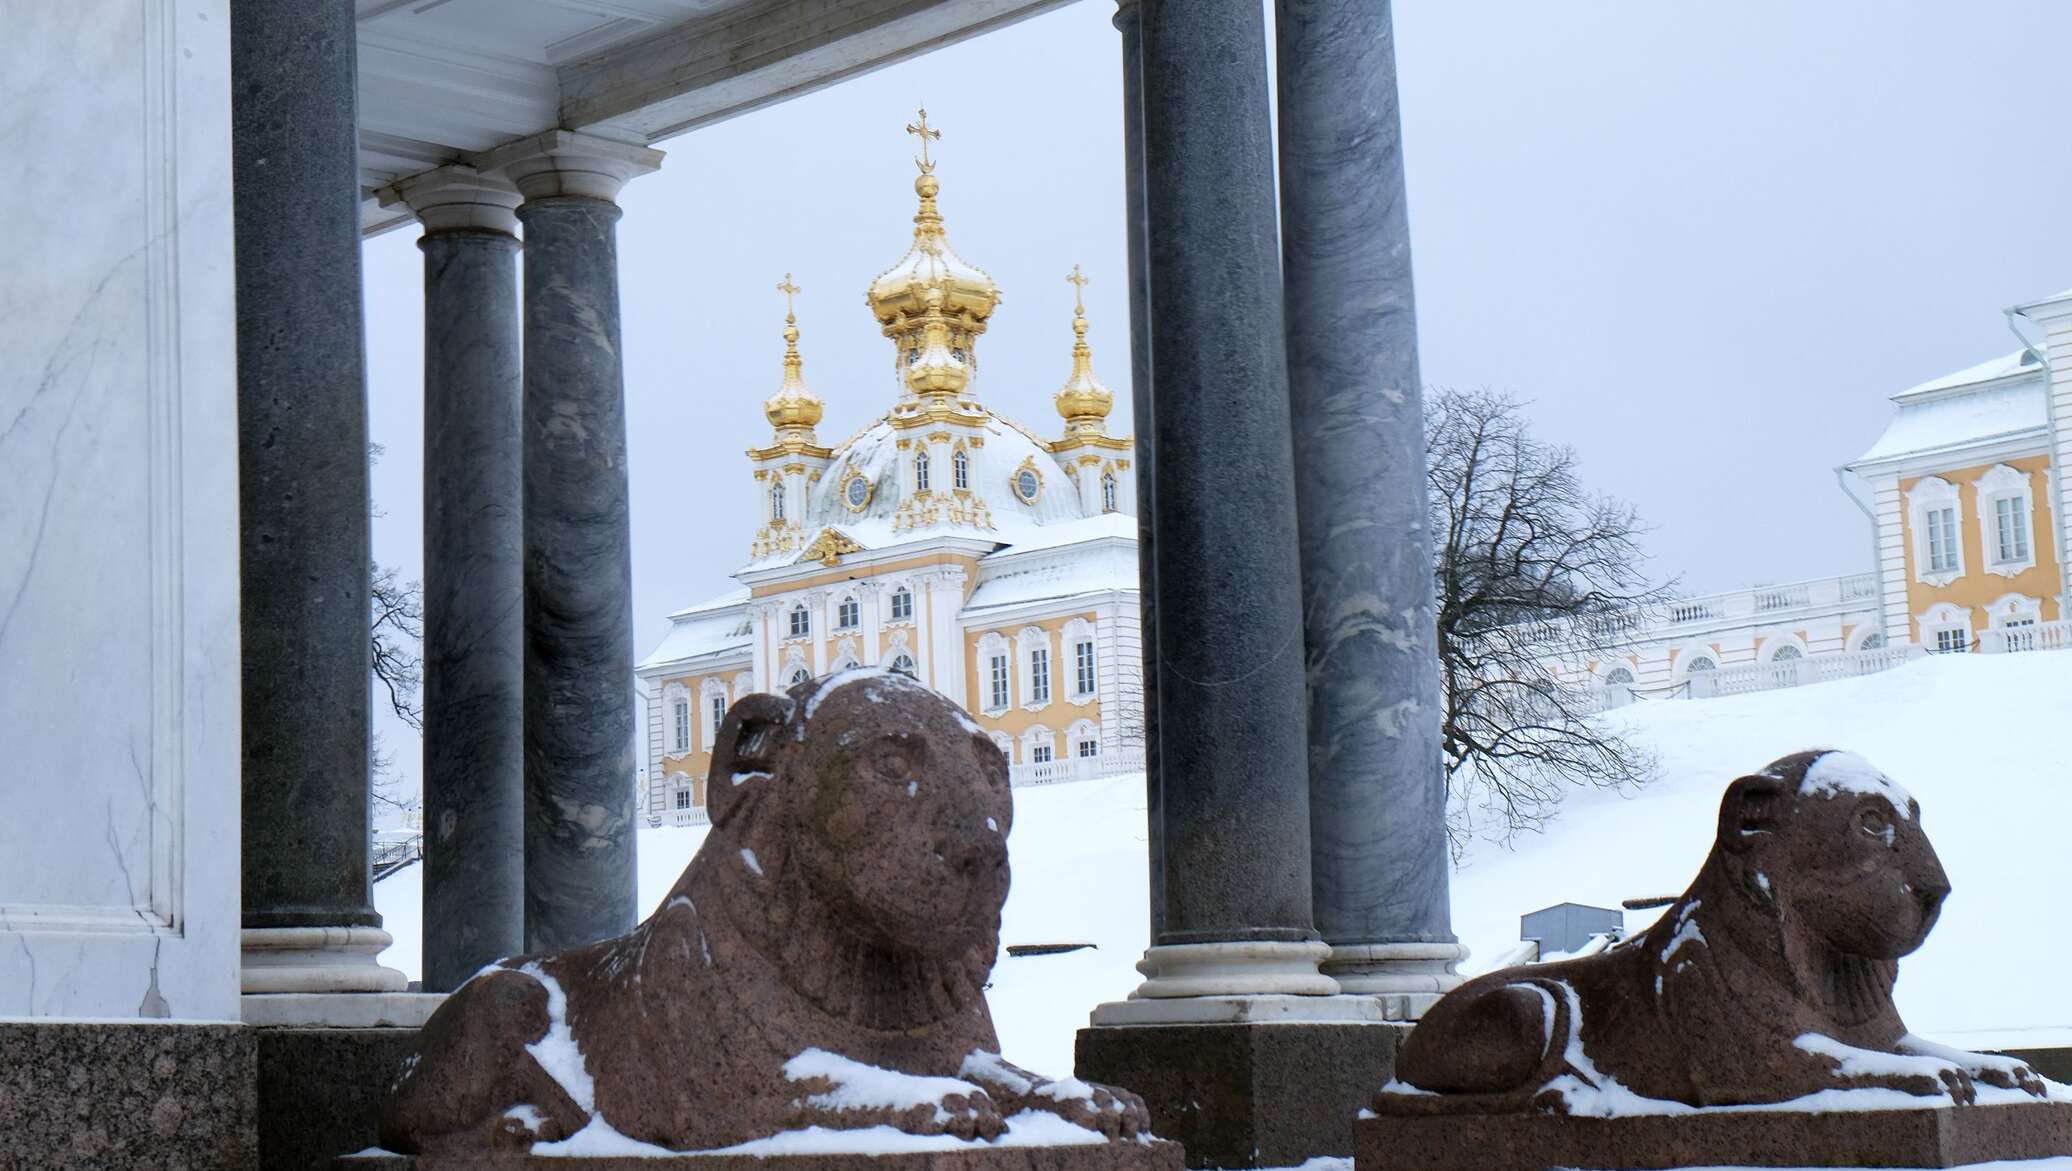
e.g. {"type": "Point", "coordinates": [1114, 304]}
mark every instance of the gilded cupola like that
{"type": "Point", "coordinates": [1083, 401]}
{"type": "Point", "coordinates": [932, 298]}
{"type": "Point", "coordinates": [793, 407]}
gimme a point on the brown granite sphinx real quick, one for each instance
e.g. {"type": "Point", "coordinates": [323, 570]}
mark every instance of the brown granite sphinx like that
{"type": "Point", "coordinates": [847, 900]}
{"type": "Point", "coordinates": [1768, 980]}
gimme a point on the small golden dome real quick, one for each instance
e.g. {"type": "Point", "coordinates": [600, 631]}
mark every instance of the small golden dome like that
{"type": "Point", "coordinates": [793, 405]}
{"type": "Point", "coordinates": [1083, 401]}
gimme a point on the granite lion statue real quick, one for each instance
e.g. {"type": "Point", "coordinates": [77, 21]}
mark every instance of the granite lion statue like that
{"type": "Point", "coordinates": [821, 962]}
{"type": "Point", "coordinates": [1768, 980]}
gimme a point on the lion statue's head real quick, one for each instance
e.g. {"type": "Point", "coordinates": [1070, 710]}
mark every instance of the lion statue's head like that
{"type": "Point", "coordinates": [1834, 850]}
{"type": "Point", "coordinates": [873, 800]}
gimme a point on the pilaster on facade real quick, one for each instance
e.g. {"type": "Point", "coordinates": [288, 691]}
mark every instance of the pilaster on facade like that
{"type": "Point", "coordinates": [2055, 317]}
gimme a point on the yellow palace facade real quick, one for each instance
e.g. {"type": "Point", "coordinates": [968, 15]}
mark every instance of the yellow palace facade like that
{"type": "Point", "coordinates": [990, 561]}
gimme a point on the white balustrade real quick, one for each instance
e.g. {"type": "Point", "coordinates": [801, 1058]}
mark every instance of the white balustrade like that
{"type": "Point", "coordinates": [2036, 636]}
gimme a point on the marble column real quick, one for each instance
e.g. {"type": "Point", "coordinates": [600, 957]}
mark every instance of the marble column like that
{"type": "Point", "coordinates": [1229, 801]}
{"type": "Point", "coordinates": [580, 806]}
{"type": "Point", "coordinates": [1129, 21]}
{"type": "Point", "coordinates": [474, 677]}
{"type": "Point", "coordinates": [309, 919]}
{"type": "Point", "coordinates": [1377, 791]}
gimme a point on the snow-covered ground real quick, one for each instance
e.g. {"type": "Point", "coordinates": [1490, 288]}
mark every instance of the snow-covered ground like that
{"type": "Point", "coordinates": [1984, 742]}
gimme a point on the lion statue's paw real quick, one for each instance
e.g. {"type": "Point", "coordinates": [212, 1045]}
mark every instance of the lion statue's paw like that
{"type": "Point", "coordinates": [1992, 1069]}
{"type": "Point", "coordinates": [840, 1093]}
{"type": "Point", "coordinates": [1108, 1110]}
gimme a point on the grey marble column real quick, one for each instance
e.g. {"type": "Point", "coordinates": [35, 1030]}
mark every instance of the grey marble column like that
{"type": "Point", "coordinates": [1129, 22]}
{"type": "Point", "coordinates": [310, 924]}
{"type": "Point", "coordinates": [580, 803]}
{"type": "Point", "coordinates": [1230, 799]}
{"type": "Point", "coordinates": [474, 676]}
{"type": "Point", "coordinates": [1377, 791]}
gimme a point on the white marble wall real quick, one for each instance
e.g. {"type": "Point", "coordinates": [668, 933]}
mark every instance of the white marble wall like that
{"type": "Point", "coordinates": [118, 542]}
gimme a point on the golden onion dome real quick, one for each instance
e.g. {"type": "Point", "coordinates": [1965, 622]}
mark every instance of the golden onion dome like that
{"type": "Point", "coordinates": [1083, 401]}
{"type": "Point", "coordinates": [898, 298]}
{"type": "Point", "coordinates": [793, 405]}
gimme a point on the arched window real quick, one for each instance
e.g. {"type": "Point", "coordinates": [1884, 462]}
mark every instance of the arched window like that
{"type": "Point", "coordinates": [801, 621]}
{"type": "Point", "coordinates": [1700, 663]}
{"type": "Point", "coordinates": [920, 471]}
{"type": "Point", "coordinates": [716, 703]}
{"type": "Point", "coordinates": [904, 664]}
{"type": "Point", "coordinates": [848, 615]}
{"type": "Point", "coordinates": [713, 696]}
{"type": "Point", "coordinates": [1108, 492]}
{"type": "Point", "coordinates": [776, 500]}
{"type": "Point", "coordinates": [800, 676]}
{"type": "Point", "coordinates": [902, 605]}
{"type": "Point", "coordinates": [960, 469]}
{"type": "Point", "coordinates": [1787, 653]}
{"type": "Point", "coordinates": [1874, 642]}
{"type": "Point", "coordinates": [1618, 677]}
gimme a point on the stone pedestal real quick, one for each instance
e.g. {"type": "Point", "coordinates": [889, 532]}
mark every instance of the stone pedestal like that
{"type": "Point", "coordinates": [325, 1062]}
{"type": "Point", "coordinates": [1951, 1136]}
{"type": "Point", "coordinates": [1249, 1094]}
{"type": "Point", "coordinates": [1115, 1156]}
{"type": "Point", "coordinates": [172, 1097]}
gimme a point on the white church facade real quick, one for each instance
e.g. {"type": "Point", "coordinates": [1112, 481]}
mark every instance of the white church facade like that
{"type": "Point", "coordinates": [991, 562]}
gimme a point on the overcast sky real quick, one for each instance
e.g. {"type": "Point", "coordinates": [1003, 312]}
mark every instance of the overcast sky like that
{"type": "Point", "coordinates": [1705, 240]}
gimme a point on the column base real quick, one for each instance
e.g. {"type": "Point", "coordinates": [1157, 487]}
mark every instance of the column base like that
{"type": "Point", "coordinates": [1407, 978]}
{"type": "Point", "coordinates": [317, 959]}
{"type": "Point", "coordinates": [1248, 968]}
{"type": "Point", "coordinates": [1248, 1095]}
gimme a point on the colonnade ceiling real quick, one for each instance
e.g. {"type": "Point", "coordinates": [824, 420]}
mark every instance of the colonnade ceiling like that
{"type": "Point", "coordinates": [441, 80]}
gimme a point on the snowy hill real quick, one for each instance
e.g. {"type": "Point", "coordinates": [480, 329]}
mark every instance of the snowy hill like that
{"type": "Point", "coordinates": [1982, 741]}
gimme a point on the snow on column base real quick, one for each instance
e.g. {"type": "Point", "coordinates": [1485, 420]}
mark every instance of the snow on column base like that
{"type": "Point", "coordinates": [1408, 978]}
{"type": "Point", "coordinates": [317, 959]}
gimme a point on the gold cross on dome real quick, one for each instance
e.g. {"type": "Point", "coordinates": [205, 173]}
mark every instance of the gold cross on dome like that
{"type": "Point", "coordinates": [925, 132]}
{"type": "Point", "coordinates": [789, 290]}
{"type": "Point", "coordinates": [1079, 281]}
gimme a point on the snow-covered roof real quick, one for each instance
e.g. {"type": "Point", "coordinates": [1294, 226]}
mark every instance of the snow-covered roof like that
{"type": "Point", "coordinates": [711, 627]}
{"type": "Point", "coordinates": [1992, 400]}
{"type": "Point", "coordinates": [1096, 569]}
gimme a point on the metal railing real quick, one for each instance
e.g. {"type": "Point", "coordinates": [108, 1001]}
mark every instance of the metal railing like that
{"type": "Point", "coordinates": [394, 850]}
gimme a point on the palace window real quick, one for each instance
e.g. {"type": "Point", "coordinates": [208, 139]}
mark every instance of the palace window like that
{"type": "Point", "coordinates": [920, 471]}
{"type": "Point", "coordinates": [1787, 653]}
{"type": "Point", "coordinates": [1108, 492]}
{"type": "Point", "coordinates": [960, 469]}
{"type": "Point", "coordinates": [996, 689]}
{"type": "Point", "coordinates": [1040, 754]}
{"type": "Point", "coordinates": [902, 605]}
{"type": "Point", "coordinates": [1083, 668]}
{"type": "Point", "coordinates": [719, 712]}
{"type": "Point", "coordinates": [799, 676]}
{"type": "Point", "coordinates": [683, 798]}
{"type": "Point", "coordinates": [801, 621]}
{"type": "Point", "coordinates": [776, 500]}
{"type": "Point", "coordinates": [1952, 641]}
{"type": "Point", "coordinates": [1872, 643]}
{"type": "Point", "coordinates": [1039, 675]}
{"type": "Point", "coordinates": [1701, 663]}
{"type": "Point", "coordinates": [1618, 677]}
{"type": "Point", "coordinates": [1942, 540]}
{"type": "Point", "coordinates": [904, 664]}
{"type": "Point", "coordinates": [848, 615]}
{"type": "Point", "coordinates": [1089, 748]}
{"type": "Point", "coordinates": [681, 713]}
{"type": "Point", "coordinates": [2011, 529]}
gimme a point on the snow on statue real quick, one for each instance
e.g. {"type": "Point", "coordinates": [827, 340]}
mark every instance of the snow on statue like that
{"type": "Point", "coordinates": [819, 966]}
{"type": "Point", "coordinates": [1769, 980]}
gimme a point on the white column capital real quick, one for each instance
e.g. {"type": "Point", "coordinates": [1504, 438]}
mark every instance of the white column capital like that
{"type": "Point", "coordinates": [562, 162]}
{"type": "Point", "coordinates": [456, 196]}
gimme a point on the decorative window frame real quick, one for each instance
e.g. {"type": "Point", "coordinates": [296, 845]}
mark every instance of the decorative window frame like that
{"type": "Point", "coordinates": [1076, 631]}
{"type": "Point", "coordinates": [1929, 494]}
{"type": "Point", "coordinates": [896, 646]}
{"type": "Point", "coordinates": [892, 602]}
{"type": "Point", "coordinates": [1766, 651]}
{"type": "Point", "coordinates": [2013, 607]}
{"type": "Point", "coordinates": [1997, 483]}
{"type": "Point", "coordinates": [1014, 482]}
{"type": "Point", "coordinates": [1005, 743]}
{"type": "Point", "coordinates": [1083, 732]}
{"type": "Point", "coordinates": [1039, 736]}
{"type": "Point", "coordinates": [712, 688]}
{"type": "Point", "coordinates": [1864, 632]}
{"type": "Point", "coordinates": [794, 662]}
{"type": "Point", "coordinates": [960, 470]}
{"type": "Point", "coordinates": [676, 783]}
{"type": "Point", "coordinates": [744, 684]}
{"type": "Point", "coordinates": [1601, 674]}
{"type": "Point", "coordinates": [990, 647]}
{"type": "Point", "coordinates": [1687, 655]}
{"type": "Point", "coordinates": [922, 472]}
{"type": "Point", "coordinates": [791, 621]}
{"type": "Point", "coordinates": [673, 694]}
{"type": "Point", "coordinates": [1944, 616]}
{"type": "Point", "coordinates": [870, 491]}
{"type": "Point", "coordinates": [847, 600]}
{"type": "Point", "coordinates": [777, 495]}
{"type": "Point", "coordinates": [1111, 490]}
{"type": "Point", "coordinates": [1026, 644]}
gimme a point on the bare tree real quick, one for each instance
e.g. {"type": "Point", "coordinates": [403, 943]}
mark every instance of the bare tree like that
{"type": "Point", "coordinates": [1531, 570]}
{"type": "Point", "coordinates": [396, 625]}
